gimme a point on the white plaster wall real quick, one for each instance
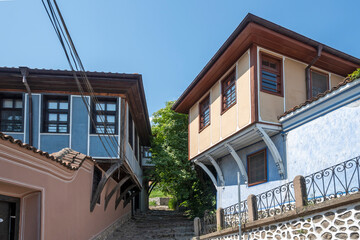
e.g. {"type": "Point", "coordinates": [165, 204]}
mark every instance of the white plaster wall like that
{"type": "Point", "coordinates": [324, 141]}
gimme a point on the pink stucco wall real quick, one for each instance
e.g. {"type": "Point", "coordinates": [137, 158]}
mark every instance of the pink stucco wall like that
{"type": "Point", "coordinates": [64, 195]}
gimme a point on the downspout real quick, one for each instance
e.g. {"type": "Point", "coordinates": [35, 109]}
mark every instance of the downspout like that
{"type": "Point", "coordinates": [25, 72]}
{"type": "Point", "coordinates": [307, 71]}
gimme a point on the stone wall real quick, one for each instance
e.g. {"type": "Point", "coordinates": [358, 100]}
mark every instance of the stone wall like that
{"type": "Point", "coordinates": [338, 223]}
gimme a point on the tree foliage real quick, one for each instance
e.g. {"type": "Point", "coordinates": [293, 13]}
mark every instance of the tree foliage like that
{"type": "Point", "coordinates": [355, 74]}
{"type": "Point", "coordinates": [173, 171]}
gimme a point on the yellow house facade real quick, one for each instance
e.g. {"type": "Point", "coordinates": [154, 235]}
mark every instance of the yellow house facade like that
{"type": "Point", "coordinates": [233, 105]}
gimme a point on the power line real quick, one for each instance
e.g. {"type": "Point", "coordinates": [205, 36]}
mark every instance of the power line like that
{"type": "Point", "coordinates": [76, 66]}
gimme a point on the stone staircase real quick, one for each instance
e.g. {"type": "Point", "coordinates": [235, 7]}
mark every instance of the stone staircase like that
{"type": "Point", "coordinates": [155, 224]}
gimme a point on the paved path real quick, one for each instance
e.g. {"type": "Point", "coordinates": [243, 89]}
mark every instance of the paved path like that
{"type": "Point", "coordinates": [155, 224]}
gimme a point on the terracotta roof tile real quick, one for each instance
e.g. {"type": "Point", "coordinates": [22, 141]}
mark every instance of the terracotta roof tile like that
{"type": "Point", "coordinates": [321, 95]}
{"type": "Point", "coordinates": [67, 157]}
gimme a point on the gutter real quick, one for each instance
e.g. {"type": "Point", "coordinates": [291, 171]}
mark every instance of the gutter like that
{"type": "Point", "coordinates": [25, 72]}
{"type": "Point", "coordinates": [307, 71]}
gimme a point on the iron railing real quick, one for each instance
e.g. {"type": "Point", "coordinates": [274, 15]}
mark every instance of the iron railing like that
{"type": "Point", "coordinates": [333, 182]}
{"type": "Point", "coordinates": [276, 201]}
{"type": "Point", "coordinates": [208, 223]}
{"type": "Point", "coordinates": [231, 214]}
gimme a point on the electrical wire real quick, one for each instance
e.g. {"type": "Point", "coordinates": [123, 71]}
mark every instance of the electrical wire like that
{"type": "Point", "coordinates": [76, 67]}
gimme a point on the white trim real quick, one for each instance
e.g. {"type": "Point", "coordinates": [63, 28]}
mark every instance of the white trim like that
{"type": "Point", "coordinates": [209, 173]}
{"type": "Point", "coordinates": [119, 125]}
{"type": "Point", "coordinates": [238, 161]}
{"type": "Point", "coordinates": [217, 168]}
{"type": "Point", "coordinates": [274, 151]}
{"type": "Point", "coordinates": [329, 81]}
{"type": "Point", "coordinates": [87, 98]}
{"type": "Point", "coordinates": [65, 134]}
{"type": "Point", "coordinates": [70, 121]}
{"type": "Point", "coordinates": [25, 115]}
{"type": "Point", "coordinates": [40, 119]}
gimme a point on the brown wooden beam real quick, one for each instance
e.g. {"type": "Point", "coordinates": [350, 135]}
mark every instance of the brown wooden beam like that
{"type": "Point", "coordinates": [132, 195]}
{"type": "Point", "coordinates": [116, 188]}
{"type": "Point", "coordinates": [122, 195]}
{"type": "Point", "coordinates": [103, 182]}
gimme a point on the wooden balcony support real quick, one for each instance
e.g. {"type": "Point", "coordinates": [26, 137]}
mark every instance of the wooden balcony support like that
{"type": "Point", "coordinates": [122, 195]}
{"type": "Point", "coordinates": [115, 189]}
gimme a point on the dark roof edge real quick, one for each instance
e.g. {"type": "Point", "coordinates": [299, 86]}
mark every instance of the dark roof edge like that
{"type": "Point", "coordinates": [272, 26]}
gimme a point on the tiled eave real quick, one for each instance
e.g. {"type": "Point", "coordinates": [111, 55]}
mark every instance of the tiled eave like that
{"type": "Point", "coordinates": [66, 157]}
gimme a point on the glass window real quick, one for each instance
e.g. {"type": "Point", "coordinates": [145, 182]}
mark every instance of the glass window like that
{"type": "Point", "coordinates": [319, 83]}
{"type": "Point", "coordinates": [257, 167]}
{"type": "Point", "coordinates": [271, 75]}
{"type": "Point", "coordinates": [11, 113]}
{"type": "Point", "coordinates": [228, 91]}
{"type": "Point", "coordinates": [205, 112]}
{"type": "Point", "coordinates": [56, 114]}
{"type": "Point", "coordinates": [105, 116]}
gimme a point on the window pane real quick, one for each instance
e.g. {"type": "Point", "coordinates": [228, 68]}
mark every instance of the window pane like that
{"type": "Point", "coordinates": [62, 128]}
{"type": "Point", "coordinates": [52, 105]}
{"type": "Point", "coordinates": [63, 117]}
{"type": "Point", "coordinates": [63, 105]}
{"type": "Point", "coordinates": [52, 117]}
{"type": "Point", "coordinates": [100, 118]}
{"type": "Point", "coordinates": [100, 129]}
{"type": "Point", "coordinates": [110, 129]}
{"type": "Point", "coordinates": [111, 119]}
{"type": "Point", "coordinates": [6, 115]}
{"type": "Point", "coordinates": [257, 167]}
{"type": "Point", "coordinates": [51, 128]}
{"type": "Point", "coordinates": [100, 106]}
{"type": "Point", "coordinates": [111, 107]}
{"type": "Point", "coordinates": [7, 103]}
{"type": "Point", "coordinates": [18, 104]}
{"type": "Point", "coordinates": [319, 83]}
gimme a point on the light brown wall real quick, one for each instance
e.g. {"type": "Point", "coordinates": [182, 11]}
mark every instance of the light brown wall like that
{"type": "Point", "coordinates": [335, 80]}
{"type": "Point", "coordinates": [271, 106]}
{"type": "Point", "coordinates": [65, 212]}
{"type": "Point", "coordinates": [226, 124]}
{"type": "Point", "coordinates": [193, 130]}
{"type": "Point", "coordinates": [243, 91]}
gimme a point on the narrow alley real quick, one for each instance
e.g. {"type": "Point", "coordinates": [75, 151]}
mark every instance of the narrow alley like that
{"type": "Point", "coordinates": [155, 224]}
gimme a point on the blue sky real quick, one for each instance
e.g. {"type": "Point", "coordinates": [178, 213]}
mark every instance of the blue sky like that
{"type": "Point", "coordinates": [167, 41]}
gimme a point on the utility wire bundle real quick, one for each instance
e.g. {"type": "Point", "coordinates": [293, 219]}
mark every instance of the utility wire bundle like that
{"type": "Point", "coordinates": [108, 140]}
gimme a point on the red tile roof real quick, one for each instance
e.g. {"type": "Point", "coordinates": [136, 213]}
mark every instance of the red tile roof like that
{"type": "Point", "coordinates": [321, 95]}
{"type": "Point", "coordinates": [67, 157]}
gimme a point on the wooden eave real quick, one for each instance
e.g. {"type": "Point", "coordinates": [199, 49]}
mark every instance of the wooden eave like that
{"type": "Point", "coordinates": [258, 31]}
{"type": "Point", "coordinates": [127, 86]}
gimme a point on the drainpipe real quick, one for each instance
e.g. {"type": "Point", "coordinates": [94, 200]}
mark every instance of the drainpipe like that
{"type": "Point", "coordinates": [307, 71]}
{"type": "Point", "coordinates": [25, 72]}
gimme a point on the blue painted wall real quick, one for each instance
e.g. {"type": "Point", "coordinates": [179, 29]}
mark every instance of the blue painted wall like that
{"type": "Point", "coordinates": [54, 142]}
{"type": "Point", "coordinates": [229, 194]}
{"type": "Point", "coordinates": [97, 148]}
{"type": "Point", "coordinates": [80, 125]}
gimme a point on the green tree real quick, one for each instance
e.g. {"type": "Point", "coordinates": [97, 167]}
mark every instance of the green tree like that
{"type": "Point", "coordinates": [355, 74]}
{"type": "Point", "coordinates": [174, 173]}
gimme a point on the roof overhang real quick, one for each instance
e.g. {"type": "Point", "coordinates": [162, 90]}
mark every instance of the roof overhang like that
{"type": "Point", "coordinates": [240, 140]}
{"type": "Point", "coordinates": [129, 86]}
{"type": "Point", "coordinates": [255, 30]}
